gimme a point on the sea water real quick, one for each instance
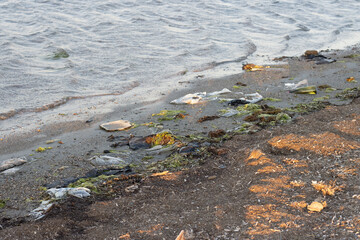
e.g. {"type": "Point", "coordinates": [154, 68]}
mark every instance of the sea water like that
{"type": "Point", "coordinates": [118, 52]}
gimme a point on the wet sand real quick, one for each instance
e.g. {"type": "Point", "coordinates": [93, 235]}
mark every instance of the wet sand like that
{"type": "Point", "coordinates": [80, 140]}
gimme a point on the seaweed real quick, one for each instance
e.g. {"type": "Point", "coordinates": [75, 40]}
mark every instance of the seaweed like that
{"type": "Point", "coordinates": [349, 93]}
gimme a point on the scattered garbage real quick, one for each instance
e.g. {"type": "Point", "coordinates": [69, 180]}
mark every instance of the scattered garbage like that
{"type": "Point", "coordinates": [207, 118]}
{"type": "Point", "coordinates": [61, 193]}
{"type": "Point", "coordinates": [314, 55]}
{"type": "Point", "coordinates": [192, 98]}
{"type": "Point", "coordinates": [10, 163]}
{"type": "Point", "coordinates": [291, 86]}
{"type": "Point", "coordinates": [107, 160]}
{"type": "Point", "coordinates": [316, 206]}
{"type": "Point", "coordinates": [199, 97]}
{"type": "Point", "coordinates": [249, 98]}
{"type": "Point", "coordinates": [40, 212]}
{"type": "Point", "coordinates": [351, 79]}
{"type": "Point", "coordinates": [252, 67]}
{"type": "Point", "coordinates": [305, 90]}
{"type": "Point", "coordinates": [216, 93]}
{"type": "Point", "coordinates": [136, 143]}
{"type": "Point", "coordinates": [116, 125]}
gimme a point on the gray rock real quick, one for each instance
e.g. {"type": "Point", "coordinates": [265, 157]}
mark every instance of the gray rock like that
{"type": "Point", "coordinates": [106, 160]}
{"type": "Point", "coordinates": [10, 163]}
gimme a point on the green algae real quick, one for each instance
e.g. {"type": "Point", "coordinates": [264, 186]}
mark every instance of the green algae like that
{"type": "Point", "coordinates": [321, 99]}
{"type": "Point", "coordinates": [349, 93]}
{"type": "Point", "coordinates": [272, 99]}
{"type": "Point", "coordinates": [60, 53]}
{"type": "Point", "coordinates": [2, 203]}
{"type": "Point", "coordinates": [168, 115]}
{"type": "Point", "coordinates": [90, 183]}
{"type": "Point", "coordinates": [307, 107]}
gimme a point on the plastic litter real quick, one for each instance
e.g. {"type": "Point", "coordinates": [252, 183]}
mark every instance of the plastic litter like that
{"type": "Point", "coordinates": [40, 212]}
{"type": "Point", "coordinates": [10, 163]}
{"type": "Point", "coordinates": [291, 86]}
{"type": "Point", "coordinates": [249, 98]}
{"type": "Point", "coordinates": [106, 160]}
{"type": "Point", "coordinates": [199, 97]}
{"type": "Point", "coordinates": [61, 193]}
{"type": "Point", "coordinates": [225, 90]}
{"type": "Point", "coordinates": [116, 125]}
{"type": "Point", "coordinates": [305, 90]}
{"type": "Point", "coordinates": [192, 98]}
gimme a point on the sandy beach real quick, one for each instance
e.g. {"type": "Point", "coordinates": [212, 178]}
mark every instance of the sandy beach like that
{"type": "Point", "coordinates": [229, 204]}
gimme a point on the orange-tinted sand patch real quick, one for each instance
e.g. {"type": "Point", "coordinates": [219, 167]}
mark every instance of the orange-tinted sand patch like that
{"type": "Point", "coordinates": [325, 143]}
{"type": "Point", "coordinates": [349, 126]}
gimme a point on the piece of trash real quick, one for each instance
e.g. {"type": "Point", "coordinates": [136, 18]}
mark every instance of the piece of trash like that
{"type": "Point", "coordinates": [314, 55]}
{"type": "Point", "coordinates": [225, 90]}
{"type": "Point", "coordinates": [351, 79]}
{"type": "Point", "coordinates": [252, 67]}
{"type": "Point", "coordinates": [305, 90]}
{"type": "Point", "coordinates": [192, 98]}
{"type": "Point", "coordinates": [10, 163]}
{"type": "Point", "coordinates": [52, 141]}
{"type": "Point", "coordinates": [132, 188]}
{"type": "Point", "coordinates": [316, 206]}
{"type": "Point", "coordinates": [199, 97]}
{"type": "Point", "coordinates": [61, 193]}
{"type": "Point", "coordinates": [79, 192]}
{"type": "Point", "coordinates": [217, 133]}
{"type": "Point", "coordinates": [136, 143]}
{"type": "Point", "coordinates": [106, 160]}
{"type": "Point", "coordinates": [291, 86]}
{"type": "Point", "coordinates": [40, 212]}
{"type": "Point", "coordinates": [207, 118]}
{"type": "Point", "coordinates": [249, 98]}
{"type": "Point", "coordinates": [116, 125]}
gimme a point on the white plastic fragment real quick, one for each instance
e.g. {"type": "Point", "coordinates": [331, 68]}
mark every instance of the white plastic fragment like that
{"type": "Point", "coordinates": [192, 98]}
{"type": "Point", "coordinates": [61, 193]}
{"type": "Point", "coordinates": [253, 97]}
{"type": "Point", "coordinates": [292, 86]}
{"type": "Point", "coordinates": [10, 163]}
{"type": "Point", "coordinates": [225, 90]}
{"type": "Point", "coordinates": [106, 160]}
{"type": "Point", "coordinates": [40, 212]}
{"type": "Point", "coordinates": [79, 192]}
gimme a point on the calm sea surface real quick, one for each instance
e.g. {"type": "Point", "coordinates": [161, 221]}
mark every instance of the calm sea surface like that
{"type": "Point", "coordinates": [118, 46]}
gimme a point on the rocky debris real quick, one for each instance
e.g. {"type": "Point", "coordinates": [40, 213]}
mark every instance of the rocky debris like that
{"type": "Point", "coordinates": [107, 160]}
{"type": "Point", "coordinates": [10, 163]}
{"type": "Point", "coordinates": [116, 125]}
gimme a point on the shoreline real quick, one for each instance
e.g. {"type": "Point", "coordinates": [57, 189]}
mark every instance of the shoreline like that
{"type": "Point", "coordinates": [70, 159]}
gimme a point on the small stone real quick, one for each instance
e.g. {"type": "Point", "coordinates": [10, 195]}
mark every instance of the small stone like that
{"type": "Point", "coordinates": [116, 125]}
